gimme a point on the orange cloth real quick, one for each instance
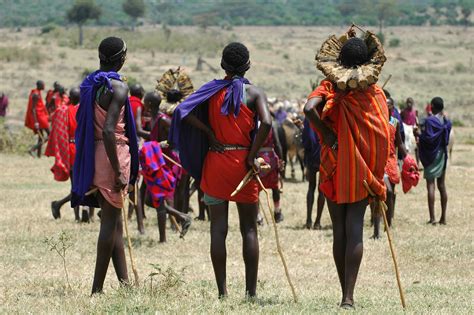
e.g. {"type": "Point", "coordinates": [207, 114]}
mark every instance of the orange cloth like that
{"type": "Point", "coordinates": [104, 176]}
{"type": "Point", "coordinates": [223, 172]}
{"type": "Point", "coordinates": [360, 120]}
{"type": "Point", "coordinates": [41, 112]}
{"type": "Point", "coordinates": [391, 169]}
{"type": "Point", "coordinates": [61, 141]}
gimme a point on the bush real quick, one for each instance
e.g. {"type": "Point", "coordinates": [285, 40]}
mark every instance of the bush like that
{"type": "Point", "coordinates": [48, 28]}
{"type": "Point", "coordinates": [394, 42]}
{"type": "Point", "coordinates": [460, 68]}
{"type": "Point", "coordinates": [381, 37]}
{"type": "Point", "coordinates": [457, 123]}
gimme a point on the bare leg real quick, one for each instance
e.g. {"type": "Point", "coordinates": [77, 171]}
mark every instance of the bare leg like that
{"type": "Point", "coordinates": [219, 228]}
{"type": "Point", "coordinates": [248, 230]}
{"type": "Point", "coordinates": [108, 246]}
{"type": "Point", "coordinates": [444, 198]}
{"type": "Point", "coordinates": [390, 200]}
{"type": "Point", "coordinates": [142, 198]}
{"type": "Point", "coordinates": [338, 218]}
{"type": "Point", "coordinates": [161, 216]}
{"type": "Point", "coordinates": [375, 217]}
{"type": "Point", "coordinates": [430, 185]}
{"type": "Point", "coordinates": [276, 205]}
{"type": "Point", "coordinates": [202, 206]}
{"type": "Point", "coordinates": [319, 210]}
{"type": "Point", "coordinates": [311, 176]}
{"type": "Point", "coordinates": [354, 247]}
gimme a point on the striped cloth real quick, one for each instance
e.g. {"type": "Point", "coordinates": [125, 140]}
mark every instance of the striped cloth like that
{"type": "Point", "coordinates": [159, 179]}
{"type": "Point", "coordinates": [360, 120]}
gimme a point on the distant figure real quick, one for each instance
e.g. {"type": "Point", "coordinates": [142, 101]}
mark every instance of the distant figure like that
{"type": "Point", "coordinates": [312, 153]}
{"type": "Point", "coordinates": [409, 114]}
{"type": "Point", "coordinates": [52, 98]}
{"type": "Point", "coordinates": [136, 95]}
{"type": "Point", "coordinates": [37, 118]}
{"type": "Point", "coordinates": [3, 104]}
{"type": "Point", "coordinates": [434, 139]}
{"type": "Point", "coordinates": [280, 114]}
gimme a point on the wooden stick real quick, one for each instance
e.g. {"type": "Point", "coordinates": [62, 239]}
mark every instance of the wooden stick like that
{"type": "Point", "coordinates": [275, 229]}
{"type": "Point", "coordinates": [176, 225]}
{"type": "Point", "coordinates": [129, 242]}
{"type": "Point", "coordinates": [171, 160]}
{"type": "Point", "coordinates": [381, 206]}
{"type": "Point", "coordinates": [242, 183]}
{"type": "Point", "coordinates": [386, 81]}
{"type": "Point", "coordinates": [263, 211]}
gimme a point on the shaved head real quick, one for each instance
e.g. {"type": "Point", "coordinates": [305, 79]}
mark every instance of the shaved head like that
{"type": "Point", "coordinates": [40, 85]}
{"type": "Point", "coordinates": [75, 95]}
{"type": "Point", "coordinates": [152, 102]}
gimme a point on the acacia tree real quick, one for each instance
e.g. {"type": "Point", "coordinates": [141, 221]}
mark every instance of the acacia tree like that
{"type": "Point", "coordinates": [134, 9]}
{"type": "Point", "coordinates": [383, 9]}
{"type": "Point", "coordinates": [81, 12]}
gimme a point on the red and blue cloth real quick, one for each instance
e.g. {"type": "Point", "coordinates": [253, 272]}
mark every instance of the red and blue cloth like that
{"type": "Point", "coordinates": [159, 179]}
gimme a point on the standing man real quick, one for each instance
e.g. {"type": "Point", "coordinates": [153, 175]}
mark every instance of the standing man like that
{"type": "Point", "coordinates": [37, 117]}
{"type": "Point", "coordinates": [215, 131]}
{"type": "Point", "coordinates": [107, 155]}
{"type": "Point", "coordinates": [353, 126]}
{"type": "Point", "coordinates": [434, 139]}
{"type": "Point", "coordinates": [3, 104]}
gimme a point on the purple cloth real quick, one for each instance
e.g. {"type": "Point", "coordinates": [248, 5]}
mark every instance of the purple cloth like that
{"type": "Point", "coordinates": [435, 137]}
{"type": "Point", "coordinates": [3, 105]}
{"type": "Point", "coordinates": [280, 116]}
{"type": "Point", "coordinates": [191, 143]}
{"type": "Point", "coordinates": [312, 147]}
{"type": "Point", "coordinates": [84, 164]}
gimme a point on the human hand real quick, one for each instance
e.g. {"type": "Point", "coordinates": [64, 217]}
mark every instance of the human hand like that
{"type": "Point", "coordinates": [330, 139]}
{"type": "Point", "coordinates": [37, 126]}
{"type": "Point", "coordinates": [214, 144]}
{"type": "Point", "coordinates": [120, 182]}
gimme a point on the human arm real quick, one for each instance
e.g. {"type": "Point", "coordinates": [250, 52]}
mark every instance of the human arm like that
{"type": "Point", "coordinates": [138, 125]}
{"type": "Point", "coordinates": [259, 101]}
{"type": "Point", "coordinates": [34, 103]}
{"type": "Point", "coordinates": [310, 111]}
{"type": "Point", "coordinates": [118, 99]}
{"type": "Point", "coordinates": [399, 143]}
{"type": "Point", "coordinates": [196, 123]}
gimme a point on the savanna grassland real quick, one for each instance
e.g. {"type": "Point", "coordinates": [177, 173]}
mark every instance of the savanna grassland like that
{"type": "Point", "coordinates": [436, 262]}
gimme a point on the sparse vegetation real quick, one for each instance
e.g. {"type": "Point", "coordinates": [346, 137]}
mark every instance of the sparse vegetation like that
{"type": "Point", "coordinates": [60, 245]}
{"type": "Point", "coordinates": [31, 56]}
{"type": "Point", "coordinates": [394, 42]}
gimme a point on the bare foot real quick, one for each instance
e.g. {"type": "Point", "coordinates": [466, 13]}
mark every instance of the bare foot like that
{"type": "Point", "coordinates": [442, 221]}
{"type": "Point", "coordinates": [432, 222]}
{"type": "Point", "coordinates": [317, 226]}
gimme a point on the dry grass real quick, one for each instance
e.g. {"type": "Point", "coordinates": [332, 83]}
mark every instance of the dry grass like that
{"type": "Point", "coordinates": [436, 262]}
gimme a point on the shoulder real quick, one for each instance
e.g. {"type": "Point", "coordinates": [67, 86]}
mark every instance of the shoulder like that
{"type": "Point", "coordinates": [253, 90]}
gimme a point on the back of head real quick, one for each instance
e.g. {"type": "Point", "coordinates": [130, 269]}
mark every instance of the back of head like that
{"type": "Point", "coordinates": [75, 95]}
{"type": "Point", "coordinates": [354, 53]}
{"type": "Point", "coordinates": [152, 101]}
{"type": "Point", "coordinates": [174, 96]}
{"type": "Point", "coordinates": [437, 105]}
{"type": "Point", "coordinates": [61, 90]}
{"type": "Point", "coordinates": [235, 59]}
{"type": "Point", "coordinates": [39, 85]}
{"type": "Point", "coordinates": [112, 51]}
{"type": "Point", "coordinates": [137, 90]}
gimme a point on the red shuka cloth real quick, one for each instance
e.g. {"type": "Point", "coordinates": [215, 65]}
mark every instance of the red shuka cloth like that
{"type": "Point", "coordinates": [41, 112]}
{"type": "Point", "coordinates": [360, 120]}
{"type": "Point", "coordinates": [391, 169]}
{"type": "Point", "coordinates": [223, 172]}
{"type": "Point", "coordinates": [59, 144]}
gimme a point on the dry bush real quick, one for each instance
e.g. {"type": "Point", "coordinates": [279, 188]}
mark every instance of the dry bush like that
{"type": "Point", "coordinates": [31, 55]}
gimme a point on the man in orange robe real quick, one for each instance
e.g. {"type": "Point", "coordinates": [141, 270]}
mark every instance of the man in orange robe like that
{"type": "Point", "coordinates": [37, 117]}
{"type": "Point", "coordinates": [354, 133]}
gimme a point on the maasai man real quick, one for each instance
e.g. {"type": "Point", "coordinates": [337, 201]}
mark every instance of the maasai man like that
{"type": "Point", "coordinates": [312, 153]}
{"type": "Point", "coordinates": [353, 128]}
{"type": "Point", "coordinates": [37, 117]}
{"type": "Point", "coordinates": [409, 114]}
{"type": "Point", "coordinates": [61, 146]}
{"type": "Point", "coordinates": [51, 96]}
{"type": "Point", "coordinates": [215, 133]}
{"type": "Point", "coordinates": [392, 172]}
{"type": "Point", "coordinates": [160, 175]}
{"type": "Point", "coordinates": [106, 155]}
{"type": "Point", "coordinates": [3, 104]}
{"type": "Point", "coordinates": [271, 153]}
{"type": "Point", "coordinates": [434, 139]}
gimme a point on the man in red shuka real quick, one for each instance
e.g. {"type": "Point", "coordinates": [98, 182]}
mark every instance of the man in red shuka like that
{"type": "Point", "coordinates": [37, 117]}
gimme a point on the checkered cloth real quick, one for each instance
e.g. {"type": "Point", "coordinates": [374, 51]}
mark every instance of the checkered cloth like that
{"type": "Point", "coordinates": [159, 179]}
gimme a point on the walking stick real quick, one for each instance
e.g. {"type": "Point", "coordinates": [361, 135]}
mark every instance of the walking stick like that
{"type": "Point", "coordinates": [382, 207]}
{"type": "Point", "coordinates": [129, 242]}
{"type": "Point", "coordinates": [263, 211]}
{"type": "Point", "coordinates": [275, 229]}
{"type": "Point", "coordinates": [171, 160]}
{"type": "Point", "coordinates": [386, 81]}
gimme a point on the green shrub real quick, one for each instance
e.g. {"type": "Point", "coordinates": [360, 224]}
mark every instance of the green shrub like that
{"type": "Point", "coordinates": [48, 28]}
{"type": "Point", "coordinates": [394, 42]}
{"type": "Point", "coordinates": [457, 123]}
{"type": "Point", "coordinates": [460, 68]}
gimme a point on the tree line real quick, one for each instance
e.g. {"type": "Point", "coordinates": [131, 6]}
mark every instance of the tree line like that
{"type": "Point", "coordinates": [228, 13]}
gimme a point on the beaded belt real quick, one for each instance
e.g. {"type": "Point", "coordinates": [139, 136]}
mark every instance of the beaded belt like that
{"type": "Point", "coordinates": [265, 149]}
{"type": "Point", "coordinates": [231, 147]}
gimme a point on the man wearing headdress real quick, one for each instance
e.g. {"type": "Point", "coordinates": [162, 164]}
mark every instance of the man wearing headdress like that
{"type": "Point", "coordinates": [352, 124]}
{"type": "Point", "coordinates": [216, 133]}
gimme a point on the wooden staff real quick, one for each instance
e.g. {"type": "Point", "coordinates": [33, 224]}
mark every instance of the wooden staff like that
{"type": "Point", "coordinates": [382, 207]}
{"type": "Point", "coordinates": [171, 160]}
{"type": "Point", "coordinates": [386, 81]}
{"type": "Point", "coordinates": [275, 229]}
{"type": "Point", "coordinates": [242, 183]}
{"type": "Point", "coordinates": [263, 211]}
{"type": "Point", "coordinates": [129, 242]}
